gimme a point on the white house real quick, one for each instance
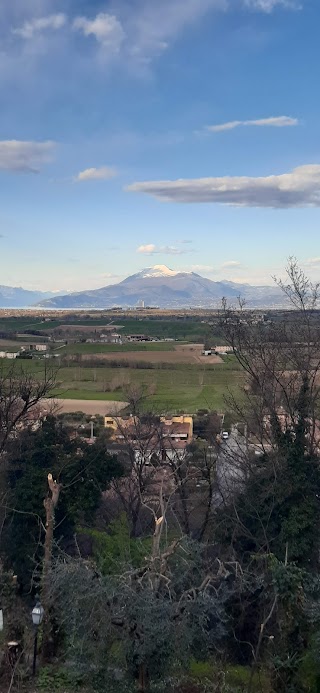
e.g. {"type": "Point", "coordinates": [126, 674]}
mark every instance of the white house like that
{"type": "Point", "coordinates": [223, 350]}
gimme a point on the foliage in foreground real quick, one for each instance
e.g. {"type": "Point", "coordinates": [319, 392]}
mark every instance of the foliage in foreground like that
{"type": "Point", "coordinates": [84, 472]}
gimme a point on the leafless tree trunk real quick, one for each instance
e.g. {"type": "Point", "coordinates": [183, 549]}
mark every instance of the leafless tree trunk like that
{"type": "Point", "coordinates": [151, 460]}
{"type": "Point", "coordinates": [50, 504]}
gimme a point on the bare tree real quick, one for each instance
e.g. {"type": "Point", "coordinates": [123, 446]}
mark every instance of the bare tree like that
{"type": "Point", "coordinates": [154, 459]}
{"type": "Point", "coordinates": [20, 392]}
{"type": "Point", "coordinates": [192, 474]}
{"type": "Point", "coordinates": [139, 453]}
{"type": "Point", "coordinates": [273, 518]}
{"type": "Point", "coordinates": [278, 360]}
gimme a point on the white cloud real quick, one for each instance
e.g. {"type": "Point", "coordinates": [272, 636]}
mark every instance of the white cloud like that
{"type": "Point", "coordinates": [151, 249]}
{"type": "Point", "coordinates": [275, 122]}
{"type": "Point", "coordinates": [299, 188]}
{"type": "Point", "coordinates": [134, 34]}
{"type": "Point", "coordinates": [22, 156]}
{"type": "Point", "coordinates": [312, 262]}
{"type": "Point", "coordinates": [102, 173]}
{"type": "Point", "coordinates": [269, 5]}
{"type": "Point", "coordinates": [108, 277]}
{"type": "Point", "coordinates": [106, 29]}
{"type": "Point", "coordinates": [39, 24]}
{"type": "Point", "coordinates": [208, 269]}
{"type": "Point", "coordinates": [155, 24]}
{"type": "Point", "coordinates": [231, 264]}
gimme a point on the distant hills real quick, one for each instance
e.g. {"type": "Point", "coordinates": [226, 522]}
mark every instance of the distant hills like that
{"type": "Point", "coordinates": [16, 297]}
{"type": "Point", "coordinates": [165, 288]}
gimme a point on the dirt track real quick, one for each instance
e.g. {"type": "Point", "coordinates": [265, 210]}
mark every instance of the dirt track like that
{"type": "Point", "coordinates": [88, 406]}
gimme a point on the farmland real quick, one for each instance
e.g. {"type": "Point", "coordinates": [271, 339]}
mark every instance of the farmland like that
{"type": "Point", "coordinates": [116, 348]}
{"type": "Point", "coordinates": [173, 375]}
{"type": "Point", "coordinates": [180, 387]}
{"type": "Point", "coordinates": [182, 326]}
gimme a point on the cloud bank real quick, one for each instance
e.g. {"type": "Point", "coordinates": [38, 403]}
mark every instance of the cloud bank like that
{"type": "Point", "coordinates": [312, 262]}
{"type": "Point", "coordinates": [136, 33]}
{"type": "Point", "coordinates": [299, 188]}
{"type": "Point", "coordinates": [275, 122]}
{"type": "Point", "coordinates": [26, 157]}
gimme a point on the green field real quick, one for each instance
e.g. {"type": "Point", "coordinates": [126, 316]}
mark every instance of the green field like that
{"type": "Point", "coordinates": [9, 346]}
{"type": "Point", "coordinates": [181, 328]}
{"type": "Point", "coordinates": [115, 348]}
{"type": "Point", "coordinates": [183, 387]}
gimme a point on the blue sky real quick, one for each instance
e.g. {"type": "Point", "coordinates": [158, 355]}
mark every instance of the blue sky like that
{"type": "Point", "coordinates": [142, 132]}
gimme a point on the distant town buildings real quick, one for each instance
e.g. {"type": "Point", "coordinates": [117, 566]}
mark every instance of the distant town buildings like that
{"type": "Point", "coordinates": [38, 347]}
{"type": "Point", "coordinates": [9, 354]}
{"type": "Point", "coordinates": [25, 351]}
{"type": "Point", "coordinates": [165, 438]}
{"type": "Point", "coordinates": [139, 338]}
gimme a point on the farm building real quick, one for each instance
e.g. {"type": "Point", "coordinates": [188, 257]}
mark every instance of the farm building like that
{"type": "Point", "coordinates": [38, 347]}
{"type": "Point", "coordinates": [223, 350]}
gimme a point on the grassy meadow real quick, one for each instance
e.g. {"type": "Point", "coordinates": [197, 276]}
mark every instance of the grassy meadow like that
{"type": "Point", "coordinates": [116, 348]}
{"type": "Point", "coordinates": [185, 328]}
{"type": "Point", "coordinates": [183, 387]}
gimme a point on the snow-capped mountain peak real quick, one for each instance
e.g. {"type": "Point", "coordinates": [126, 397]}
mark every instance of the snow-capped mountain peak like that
{"type": "Point", "coordinates": [159, 271]}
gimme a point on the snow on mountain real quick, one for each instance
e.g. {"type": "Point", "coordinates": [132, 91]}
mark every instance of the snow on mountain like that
{"type": "Point", "coordinates": [165, 288]}
{"type": "Point", "coordinates": [158, 271]}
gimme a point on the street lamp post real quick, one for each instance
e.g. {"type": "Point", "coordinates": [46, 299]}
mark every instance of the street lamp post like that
{"type": "Point", "coordinates": [92, 422]}
{"type": "Point", "coordinates": [37, 616]}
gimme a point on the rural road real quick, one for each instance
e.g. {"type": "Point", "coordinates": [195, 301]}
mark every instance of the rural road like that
{"type": "Point", "coordinates": [229, 467]}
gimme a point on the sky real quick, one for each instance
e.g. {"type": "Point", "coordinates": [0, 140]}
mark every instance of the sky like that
{"type": "Point", "coordinates": [143, 132]}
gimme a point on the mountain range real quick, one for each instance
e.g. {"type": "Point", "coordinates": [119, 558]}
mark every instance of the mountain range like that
{"type": "Point", "coordinates": [162, 287]}
{"type": "Point", "coordinates": [16, 297]}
